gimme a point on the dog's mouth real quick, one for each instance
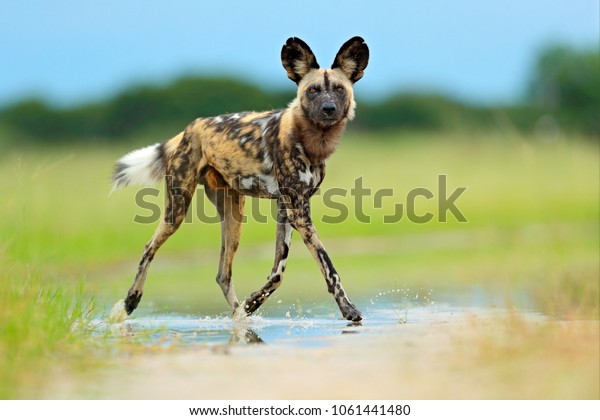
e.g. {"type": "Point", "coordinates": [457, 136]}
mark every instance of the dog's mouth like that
{"type": "Point", "coordinates": [327, 121]}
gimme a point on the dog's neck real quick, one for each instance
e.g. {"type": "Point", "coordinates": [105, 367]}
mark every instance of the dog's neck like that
{"type": "Point", "coordinates": [318, 142]}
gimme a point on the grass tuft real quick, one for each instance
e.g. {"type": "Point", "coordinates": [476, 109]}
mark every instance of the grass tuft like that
{"type": "Point", "coordinates": [38, 332]}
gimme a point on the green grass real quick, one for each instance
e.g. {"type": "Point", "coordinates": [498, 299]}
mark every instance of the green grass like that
{"type": "Point", "coordinates": [39, 332]}
{"type": "Point", "coordinates": [61, 196]}
{"type": "Point", "coordinates": [532, 209]}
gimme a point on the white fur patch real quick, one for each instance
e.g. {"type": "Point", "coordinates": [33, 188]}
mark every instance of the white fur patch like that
{"type": "Point", "coordinates": [305, 176]}
{"type": "Point", "coordinates": [280, 268]}
{"type": "Point", "coordinates": [246, 183]}
{"type": "Point", "coordinates": [267, 162]}
{"type": "Point", "coordinates": [351, 110]}
{"type": "Point", "coordinates": [269, 182]}
{"type": "Point", "coordinates": [140, 167]}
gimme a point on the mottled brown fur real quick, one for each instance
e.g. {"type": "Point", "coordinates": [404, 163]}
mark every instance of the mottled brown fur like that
{"type": "Point", "coordinates": [276, 154]}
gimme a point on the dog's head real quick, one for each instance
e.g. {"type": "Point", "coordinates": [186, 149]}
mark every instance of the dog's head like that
{"type": "Point", "coordinates": [325, 95]}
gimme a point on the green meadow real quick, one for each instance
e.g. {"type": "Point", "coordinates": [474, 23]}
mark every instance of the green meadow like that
{"type": "Point", "coordinates": [69, 250]}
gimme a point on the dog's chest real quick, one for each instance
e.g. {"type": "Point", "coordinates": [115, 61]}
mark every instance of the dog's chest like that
{"type": "Point", "coordinates": [309, 177]}
{"type": "Point", "coordinates": [300, 176]}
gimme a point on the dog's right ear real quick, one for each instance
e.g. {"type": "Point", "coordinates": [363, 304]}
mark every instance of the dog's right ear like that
{"type": "Point", "coordinates": [297, 59]}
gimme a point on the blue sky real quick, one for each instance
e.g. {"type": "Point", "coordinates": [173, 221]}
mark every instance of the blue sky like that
{"type": "Point", "coordinates": [71, 51]}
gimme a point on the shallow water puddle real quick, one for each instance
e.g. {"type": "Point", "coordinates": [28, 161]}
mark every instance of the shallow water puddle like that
{"type": "Point", "coordinates": [313, 329]}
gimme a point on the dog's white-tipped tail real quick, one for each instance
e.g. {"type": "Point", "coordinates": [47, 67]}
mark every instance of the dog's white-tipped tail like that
{"type": "Point", "coordinates": [144, 166]}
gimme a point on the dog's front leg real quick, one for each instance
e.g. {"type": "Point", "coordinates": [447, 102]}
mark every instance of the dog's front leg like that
{"type": "Point", "coordinates": [282, 247]}
{"type": "Point", "coordinates": [298, 212]}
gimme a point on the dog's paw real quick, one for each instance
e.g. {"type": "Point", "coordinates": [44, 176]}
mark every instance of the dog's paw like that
{"type": "Point", "coordinates": [117, 313]}
{"type": "Point", "coordinates": [131, 301]}
{"type": "Point", "coordinates": [351, 313]}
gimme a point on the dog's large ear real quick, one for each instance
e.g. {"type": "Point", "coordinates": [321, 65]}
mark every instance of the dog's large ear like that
{"type": "Point", "coordinates": [297, 59]}
{"type": "Point", "coordinates": [352, 58]}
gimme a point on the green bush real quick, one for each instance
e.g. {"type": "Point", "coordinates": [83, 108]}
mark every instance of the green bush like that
{"type": "Point", "coordinates": [564, 89]}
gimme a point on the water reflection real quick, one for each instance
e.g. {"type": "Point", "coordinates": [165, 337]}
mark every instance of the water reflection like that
{"type": "Point", "coordinates": [310, 325]}
{"type": "Point", "coordinates": [241, 334]}
{"type": "Point", "coordinates": [155, 329]}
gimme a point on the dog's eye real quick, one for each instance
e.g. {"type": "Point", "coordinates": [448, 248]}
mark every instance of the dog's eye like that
{"type": "Point", "coordinates": [339, 89]}
{"type": "Point", "coordinates": [312, 90]}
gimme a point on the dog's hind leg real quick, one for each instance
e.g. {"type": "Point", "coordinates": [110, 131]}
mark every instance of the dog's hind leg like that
{"type": "Point", "coordinates": [230, 205]}
{"type": "Point", "coordinates": [282, 247]}
{"type": "Point", "coordinates": [181, 180]}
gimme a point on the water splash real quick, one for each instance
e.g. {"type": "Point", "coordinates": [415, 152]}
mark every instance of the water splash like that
{"type": "Point", "coordinates": [403, 300]}
{"type": "Point", "coordinates": [117, 313]}
{"type": "Point", "coordinates": [295, 323]}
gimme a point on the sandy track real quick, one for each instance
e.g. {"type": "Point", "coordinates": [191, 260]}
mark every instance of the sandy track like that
{"type": "Point", "coordinates": [467, 357]}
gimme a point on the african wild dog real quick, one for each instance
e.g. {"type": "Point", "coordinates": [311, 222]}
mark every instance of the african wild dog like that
{"type": "Point", "coordinates": [277, 154]}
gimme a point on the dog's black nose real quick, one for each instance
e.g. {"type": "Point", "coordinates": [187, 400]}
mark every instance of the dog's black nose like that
{"type": "Point", "coordinates": [329, 108]}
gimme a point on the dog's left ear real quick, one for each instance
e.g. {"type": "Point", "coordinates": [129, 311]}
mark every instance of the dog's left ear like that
{"type": "Point", "coordinates": [297, 59]}
{"type": "Point", "coordinates": [352, 58]}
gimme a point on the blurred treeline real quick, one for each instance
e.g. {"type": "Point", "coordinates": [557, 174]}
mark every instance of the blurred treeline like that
{"type": "Point", "coordinates": [563, 95]}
